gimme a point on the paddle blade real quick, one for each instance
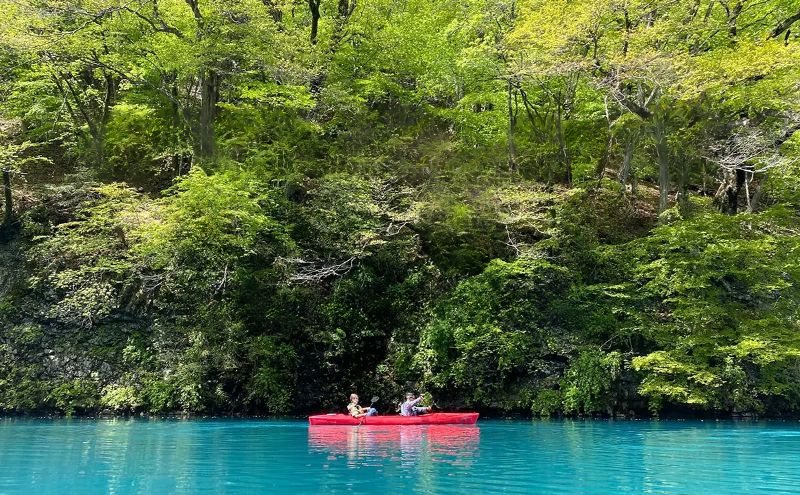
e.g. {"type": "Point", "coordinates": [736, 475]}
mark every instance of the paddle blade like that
{"type": "Point", "coordinates": [375, 399]}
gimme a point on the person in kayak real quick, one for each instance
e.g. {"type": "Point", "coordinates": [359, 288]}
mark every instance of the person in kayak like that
{"type": "Point", "coordinates": [357, 411]}
{"type": "Point", "coordinates": [410, 407]}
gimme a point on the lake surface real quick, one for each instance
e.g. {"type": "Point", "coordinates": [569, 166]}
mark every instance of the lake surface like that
{"type": "Point", "coordinates": [289, 457]}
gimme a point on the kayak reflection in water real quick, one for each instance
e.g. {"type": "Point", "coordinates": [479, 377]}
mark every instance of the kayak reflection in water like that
{"type": "Point", "coordinates": [450, 444]}
{"type": "Point", "coordinates": [410, 408]}
{"type": "Point", "coordinates": [357, 411]}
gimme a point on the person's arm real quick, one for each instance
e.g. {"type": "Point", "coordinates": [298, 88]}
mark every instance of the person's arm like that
{"type": "Point", "coordinates": [362, 411]}
{"type": "Point", "coordinates": [417, 400]}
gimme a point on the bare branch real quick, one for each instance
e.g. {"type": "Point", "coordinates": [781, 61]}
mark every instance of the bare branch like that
{"type": "Point", "coordinates": [750, 149]}
{"type": "Point", "coordinates": [304, 271]}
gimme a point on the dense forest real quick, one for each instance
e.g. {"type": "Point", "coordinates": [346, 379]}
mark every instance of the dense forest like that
{"type": "Point", "coordinates": [536, 207]}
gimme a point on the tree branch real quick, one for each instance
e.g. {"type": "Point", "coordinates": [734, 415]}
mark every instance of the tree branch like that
{"type": "Point", "coordinates": [162, 26]}
{"type": "Point", "coordinates": [784, 25]}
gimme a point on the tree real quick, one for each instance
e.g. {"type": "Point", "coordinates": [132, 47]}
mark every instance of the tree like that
{"type": "Point", "coordinates": [13, 157]}
{"type": "Point", "coordinates": [8, 215]}
{"type": "Point", "coordinates": [255, 205]}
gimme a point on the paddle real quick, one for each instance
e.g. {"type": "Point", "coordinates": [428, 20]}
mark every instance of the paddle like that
{"type": "Point", "coordinates": [433, 402]}
{"type": "Point", "coordinates": [375, 399]}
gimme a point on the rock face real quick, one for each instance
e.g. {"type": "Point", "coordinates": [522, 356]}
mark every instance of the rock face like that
{"type": "Point", "coordinates": [44, 366]}
{"type": "Point", "coordinates": [11, 268]}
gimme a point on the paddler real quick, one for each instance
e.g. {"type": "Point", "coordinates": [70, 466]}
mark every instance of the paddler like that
{"type": "Point", "coordinates": [357, 411]}
{"type": "Point", "coordinates": [410, 407]}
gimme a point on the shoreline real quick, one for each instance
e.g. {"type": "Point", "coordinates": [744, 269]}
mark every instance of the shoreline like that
{"type": "Point", "coordinates": [194, 417]}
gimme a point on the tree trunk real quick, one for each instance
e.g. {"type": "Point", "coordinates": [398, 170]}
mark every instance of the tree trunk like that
{"type": "Point", "coordinates": [345, 8]}
{"type": "Point", "coordinates": [313, 5]}
{"type": "Point", "coordinates": [784, 25]}
{"type": "Point", "coordinates": [625, 169]}
{"type": "Point", "coordinates": [562, 142]}
{"type": "Point", "coordinates": [733, 193]}
{"type": "Point", "coordinates": [87, 114]}
{"type": "Point", "coordinates": [8, 216]}
{"type": "Point", "coordinates": [112, 84]}
{"type": "Point", "coordinates": [604, 162]}
{"type": "Point", "coordinates": [205, 147]}
{"type": "Point", "coordinates": [512, 124]}
{"type": "Point", "coordinates": [733, 17]}
{"type": "Point", "coordinates": [753, 206]}
{"type": "Point", "coordinates": [274, 11]}
{"type": "Point", "coordinates": [172, 80]}
{"type": "Point", "coordinates": [209, 92]}
{"type": "Point", "coordinates": [662, 154]}
{"type": "Point", "coordinates": [727, 196]}
{"type": "Point", "coordinates": [683, 187]}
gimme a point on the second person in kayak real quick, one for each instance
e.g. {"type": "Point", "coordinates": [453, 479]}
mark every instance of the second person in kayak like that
{"type": "Point", "coordinates": [410, 407]}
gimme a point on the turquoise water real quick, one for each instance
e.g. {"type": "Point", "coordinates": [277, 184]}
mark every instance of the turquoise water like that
{"type": "Point", "coordinates": [249, 456]}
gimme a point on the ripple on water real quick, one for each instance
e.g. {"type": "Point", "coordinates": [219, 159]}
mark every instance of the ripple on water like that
{"type": "Point", "coordinates": [515, 457]}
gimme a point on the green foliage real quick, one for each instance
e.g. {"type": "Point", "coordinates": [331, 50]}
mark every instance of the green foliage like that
{"type": "Point", "coordinates": [140, 147]}
{"type": "Point", "coordinates": [85, 265]}
{"type": "Point", "coordinates": [120, 398]}
{"type": "Point", "coordinates": [725, 284]}
{"type": "Point", "coordinates": [547, 403]}
{"type": "Point", "coordinates": [496, 331]}
{"type": "Point", "coordinates": [21, 386]}
{"type": "Point", "coordinates": [518, 209]}
{"type": "Point", "coordinates": [74, 396]}
{"type": "Point", "coordinates": [589, 380]}
{"type": "Point", "coordinates": [273, 382]}
{"type": "Point", "coordinates": [215, 221]}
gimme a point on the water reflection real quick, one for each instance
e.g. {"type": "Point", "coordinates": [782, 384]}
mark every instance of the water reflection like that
{"type": "Point", "coordinates": [453, 444]}
{"type": "Point", "coordinates": [236, 457]}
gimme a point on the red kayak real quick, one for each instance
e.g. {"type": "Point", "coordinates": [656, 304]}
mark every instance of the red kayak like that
{"type": "Point", "coordinates": [468, 418]}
